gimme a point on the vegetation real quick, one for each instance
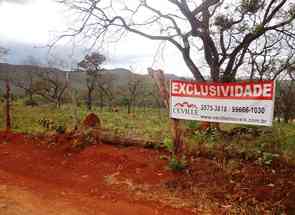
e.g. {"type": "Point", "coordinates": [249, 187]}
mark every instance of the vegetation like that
{"type": "Point", "coordinates": [129, 105]}
{"type": "Point", "coordinates": [219, 41]}
{"type": "Point", "coordinates": [91, 65]}
{"type": "Point", "coordinates": [259, 144]}
{"type": "Point", "coordinates": [256, 35]}
{"type": "Point", "coordinates": [106, 88]}
{"type": "Point", "coordinates": [27, 119]}
{"type": "Point", "coordinates": [175, 163]}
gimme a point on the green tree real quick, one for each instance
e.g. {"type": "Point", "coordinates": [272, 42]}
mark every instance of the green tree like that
{"type": "Point", "coordinates": [91, 64]}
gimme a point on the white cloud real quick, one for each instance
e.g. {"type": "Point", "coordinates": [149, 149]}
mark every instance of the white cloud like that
{"type": "Point", "coordinates": [141, 53]}
{"type": "Point", "coordinates": [37, 21]}
{"type": "Point", "coordinates": [32, 22]}
{"type": "Point", "coordinates": [15, 1]}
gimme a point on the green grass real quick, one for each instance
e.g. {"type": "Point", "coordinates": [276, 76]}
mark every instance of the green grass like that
{"type": "Point", "coordinates": [144, 123]}
{"type": "Point", "coordinates": [269, 144]}
{"type": "Point", "coordinates": [153, 124]}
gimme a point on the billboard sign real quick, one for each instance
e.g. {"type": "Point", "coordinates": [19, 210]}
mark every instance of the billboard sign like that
{"type": "Point", "coordinates": [236, 102]}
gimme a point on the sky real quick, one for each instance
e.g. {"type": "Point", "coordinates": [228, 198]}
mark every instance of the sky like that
{"type": "Point", "coordinates": [27, 26]}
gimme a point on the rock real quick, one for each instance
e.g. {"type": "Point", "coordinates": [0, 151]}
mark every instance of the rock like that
{"type": "Point", "coordinates": [92, 121]}
{"type": "Point", "coordinates": [91, 132]}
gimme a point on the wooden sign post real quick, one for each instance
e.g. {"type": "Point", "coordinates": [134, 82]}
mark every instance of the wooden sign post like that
{"type": "Point", "coordinates": [176, 128]}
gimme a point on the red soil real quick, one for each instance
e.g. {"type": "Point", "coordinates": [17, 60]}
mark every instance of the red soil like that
{"type": "Point", "coordinates": [103, 179]}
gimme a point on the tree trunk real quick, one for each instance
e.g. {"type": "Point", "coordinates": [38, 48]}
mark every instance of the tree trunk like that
{"type": "Point", "coordinates": [8, 117]}
{"type": "Point", "coordinates": [195, 71]}
{"type": "Point", "coordinates": [109, 138]}
{"type": "Point", "coordinates": [31, 97]}
{"type": "Point", "coordinates": [101, 100]}
{"type": "Point", "coordinates": [286, 117]}
{"type": "Point", "coordinates": [215, 71]}
{"type": "Point", "coordinates": [59, 103]}
{"type": "Point", "coordinates": [89, 100]}
{"type": "Point", "coordinates": [28, 92]}
{"type": "Point", "coordinates": [110, 104]}
{"type": "Point", "coordinates": [129, 107]}
{"type": "Point", "coordinates": [177, 134]}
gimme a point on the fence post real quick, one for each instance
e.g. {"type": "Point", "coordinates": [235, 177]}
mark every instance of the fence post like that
{"type": "Point", "coordinates": [7, 109]}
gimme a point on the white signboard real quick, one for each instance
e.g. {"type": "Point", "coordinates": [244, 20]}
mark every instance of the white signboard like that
{"type": "Point", "coordinates": [237, 102]}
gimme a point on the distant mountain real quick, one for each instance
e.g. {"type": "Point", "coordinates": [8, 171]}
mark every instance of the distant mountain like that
{"type": "Point", "coordinates": [120, 76]}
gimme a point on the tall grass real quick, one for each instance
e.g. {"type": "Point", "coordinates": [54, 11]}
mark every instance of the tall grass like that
{"type": "Point", "coordinates": [148, 123]}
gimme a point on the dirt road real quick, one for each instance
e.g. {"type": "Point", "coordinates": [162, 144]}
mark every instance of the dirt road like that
{"type": "Point", "coordinates": [100, 180]}
{"type": "Point", "coordinates": [42, 175]}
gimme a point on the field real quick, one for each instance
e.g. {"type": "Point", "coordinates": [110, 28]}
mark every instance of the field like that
{"type": "Point", "coordinates": [153, 124]}
{"type": "Point", "coordinates": [146, 123]}
{"type": "Point", "coordinates": [240, 170]}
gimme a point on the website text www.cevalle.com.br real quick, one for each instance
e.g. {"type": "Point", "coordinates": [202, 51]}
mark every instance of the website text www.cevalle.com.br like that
{"type": "Point", "coordinates": [230, 119]}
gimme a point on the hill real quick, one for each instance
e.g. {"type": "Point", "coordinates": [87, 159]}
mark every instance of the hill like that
{"type": "Point", "coordinates": [24, 74]}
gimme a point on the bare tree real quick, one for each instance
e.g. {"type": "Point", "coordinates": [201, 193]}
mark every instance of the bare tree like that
{"type": "Point", "coordinates": [133, 90]}
{"type": "Point", "coordinates": [285, 98]}
{"type": "Point", "coordinates": [91, 65]}
{"type": "Point", "coordinates": [272, 61]}
{"type": "Point", "coordinates": [52, 83]}
{"type": "Point", "coordinates": [27, 82]}
{"type": "Point", "coordinates": [222, 32]}
{"type": "Point", "coordinates": [7, 95]}
{"type": "Point", "coordinates": [106, 89]}
{"type": "Point", "coordinates": [285, 102]}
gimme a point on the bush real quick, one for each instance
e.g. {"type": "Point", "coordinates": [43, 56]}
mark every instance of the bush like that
{"type": "Point", "coordinates": [193, 125]}
{"type": "Point", "coordinates": [174, 163]}
{"type": "Point", "coordinates": [177, 164]}
{"type": "Point", "coordinates": [168, 144]}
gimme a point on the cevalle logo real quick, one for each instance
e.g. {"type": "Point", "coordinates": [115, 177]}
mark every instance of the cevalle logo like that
{"type": "Point", "coordinates": [186, 105]}
{"type": "Point", "coordinates": [185, 108]}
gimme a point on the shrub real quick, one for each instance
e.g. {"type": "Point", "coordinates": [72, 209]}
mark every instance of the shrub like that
{"type": "Point", "coordinates": [168, 144]}
{"type": "Point", "coordinates": [177, 164]}
{"type": "Point", "coordinates": [174, 163]}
